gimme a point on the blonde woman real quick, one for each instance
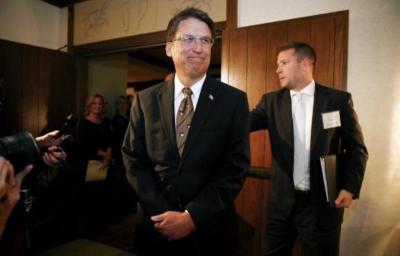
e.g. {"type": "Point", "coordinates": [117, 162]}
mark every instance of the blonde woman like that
{"type": "Point", "coordinates": [94, 141]}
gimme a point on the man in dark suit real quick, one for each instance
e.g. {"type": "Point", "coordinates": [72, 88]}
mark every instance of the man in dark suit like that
{"type": "Point", "coordinates": [306, 121]}
{"type": "Point", "coordinates": [186, 150]}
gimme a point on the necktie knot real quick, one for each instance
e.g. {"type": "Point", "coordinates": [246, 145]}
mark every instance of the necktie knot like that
{"type": "Point", "coordinates": [187, 91]}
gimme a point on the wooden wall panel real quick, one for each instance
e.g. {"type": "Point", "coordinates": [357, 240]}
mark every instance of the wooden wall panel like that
{"type": "Point", "coordinates": [37, 84]}
{"type": "Point", "coordinates": [45, 67]}
{"type": "Point", "coordinates": [299, 31]}
{"type": "Point", "coordinates": [62, 87]}
{"type": "Point", "coordinates": [30, 89]}
{"type": "Point", "coordinates": [238, 58]}
{"type": "Point", "coordinates": [341, 36]}
{"type": "Point", "coordinates": [323, 42]}
{"type": "Point", "coordinates": [225, 56]}
{"type": "Point", "coordinates": [12, 60]}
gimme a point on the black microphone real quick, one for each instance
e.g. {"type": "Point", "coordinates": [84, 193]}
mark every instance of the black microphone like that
{"type": "Point", "coordinates": [64, 135]}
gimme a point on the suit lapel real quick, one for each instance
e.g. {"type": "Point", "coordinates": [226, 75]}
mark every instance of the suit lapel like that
{"type": "Point", "coordinates": [286, 118]}
{"type": "Point", "coordinates": [320, 104]}
{"type": "Point", "coordinates": [203, 108]}
{"type": "Point", "coordinates": [166, 107]}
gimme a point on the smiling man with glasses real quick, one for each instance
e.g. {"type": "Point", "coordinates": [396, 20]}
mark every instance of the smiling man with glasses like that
{"type": "Point", "coordinates": [186, 150]}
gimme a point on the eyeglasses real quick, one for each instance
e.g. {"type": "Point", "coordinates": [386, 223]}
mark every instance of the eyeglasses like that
{"type": "Point", "coordinates": [189, 40]}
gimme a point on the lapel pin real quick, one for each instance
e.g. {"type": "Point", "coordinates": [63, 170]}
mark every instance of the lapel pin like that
{"type": "Point", "coordinates": [211, 97]}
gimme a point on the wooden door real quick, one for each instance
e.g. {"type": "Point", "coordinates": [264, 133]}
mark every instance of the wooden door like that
{"type": "Point", "coordinates": [249, 63]}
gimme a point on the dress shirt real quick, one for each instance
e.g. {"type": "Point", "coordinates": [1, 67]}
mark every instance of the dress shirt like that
{"type": "Point", "coordinates": [179, 96]}
{"type": "Point", "coordinates": [303, 169]}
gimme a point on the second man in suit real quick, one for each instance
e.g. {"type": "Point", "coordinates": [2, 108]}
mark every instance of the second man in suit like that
{"type": "Point", "coordinates": [307, 121]}
{"type": "Point", "coordinates": [186, 150]}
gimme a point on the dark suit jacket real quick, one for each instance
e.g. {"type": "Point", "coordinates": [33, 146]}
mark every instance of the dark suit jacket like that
{"type": "Point", "coordinates": [274, 113]}
{"type": "Point", "coordinates": [211, 171]}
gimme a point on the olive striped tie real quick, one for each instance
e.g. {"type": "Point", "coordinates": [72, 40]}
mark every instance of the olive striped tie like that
{"type": "Point", "coordinates": [183, 119]}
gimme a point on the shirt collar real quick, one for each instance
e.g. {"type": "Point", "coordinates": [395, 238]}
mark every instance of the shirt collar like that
{"type": "Point", "coordinates": [196, 87]}
{"type": "Point", "coordinates": [309, 89]}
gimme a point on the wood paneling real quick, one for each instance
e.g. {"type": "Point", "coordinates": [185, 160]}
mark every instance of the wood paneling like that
{"type": "Point", "coordinates": [249, 63]}
{"type": "Point", "coordinates": [322, 40]}
{"type": "Point", "coordinates": [45, 84]}
{"type": "Point", "coordinates": [38, 87]}
{"type": "Point", "coordinates": [30, 89]}
{"type": "Point", "coordinates": [238, 58]}
{"type": "Point", "coordinates": [340, 65]}
{"type": "Point", "coordinates": [299, 31]}
{"type": "Point", "coordinates": [12, 60]}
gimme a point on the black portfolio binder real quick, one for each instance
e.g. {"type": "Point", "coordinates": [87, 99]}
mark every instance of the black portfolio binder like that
{"type": "Point", "coordinates": [329, 167]}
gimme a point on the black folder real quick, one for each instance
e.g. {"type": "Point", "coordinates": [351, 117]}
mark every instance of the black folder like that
{"type": "Point", "coordinates": [329, 167]}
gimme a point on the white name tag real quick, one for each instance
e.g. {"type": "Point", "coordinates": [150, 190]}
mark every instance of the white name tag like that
{"type": "Point", "coordinates": [331, 119]}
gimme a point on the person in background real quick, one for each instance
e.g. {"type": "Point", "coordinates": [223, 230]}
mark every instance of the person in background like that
{"type": "Point", "coordinates": [122, 190]}
{"type": "Point", "coordinates": [307, 121]}
{"type": "Point", "coordinates": [93, 142]}
{"type": "Point", "coordinates": [119, 123]}
{"type": "Point", "coordinates": [186, 150]}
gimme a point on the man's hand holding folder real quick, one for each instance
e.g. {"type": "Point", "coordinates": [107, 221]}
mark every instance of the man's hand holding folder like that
{"type": "Point", "coordinates": [329, 167]}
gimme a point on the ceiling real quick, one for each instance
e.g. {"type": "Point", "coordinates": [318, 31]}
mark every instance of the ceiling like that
{"type": "Point", "coordinates": [62, 3]}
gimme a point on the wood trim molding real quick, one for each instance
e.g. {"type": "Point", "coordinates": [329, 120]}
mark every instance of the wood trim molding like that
{"type": "Point", "coordinates": [231, 14]}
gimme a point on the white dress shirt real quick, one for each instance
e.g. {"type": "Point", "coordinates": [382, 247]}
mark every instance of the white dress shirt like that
{"type": "Point", "coordinates": [301, 166]}
{"type": "Point", "coordinates": [179, 96]}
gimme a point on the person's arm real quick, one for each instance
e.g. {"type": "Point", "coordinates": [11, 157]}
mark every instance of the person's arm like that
{"type": "Point", "coordinates": [138, 164]}
{"type": "Point", "coordinates": [355, 154]}
{"type": "Point", "coordinates": [258, 117]}
{"type": "Point", "coordinates": [10, 187]}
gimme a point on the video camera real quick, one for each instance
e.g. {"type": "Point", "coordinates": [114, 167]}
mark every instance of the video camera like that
{"type": "Point", "coordinates": [21, 149]}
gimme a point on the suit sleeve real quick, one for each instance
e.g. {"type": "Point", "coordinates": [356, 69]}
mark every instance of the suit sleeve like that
{"type": "Point", "coordinates": [219, 194]}
{"type": "Point", "coordinates": [355, 151]}
{"type": "Point", "coordinates": [138, 164]}
{"type": "Point", "coordinates": [258, 116]}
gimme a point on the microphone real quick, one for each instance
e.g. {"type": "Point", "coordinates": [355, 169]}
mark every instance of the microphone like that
{"type": "Point", "coordinates": [64, 135]}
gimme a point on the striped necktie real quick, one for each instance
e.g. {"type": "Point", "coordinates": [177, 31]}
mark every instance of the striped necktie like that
{"type": "Point", "coordinates": [183, 119]}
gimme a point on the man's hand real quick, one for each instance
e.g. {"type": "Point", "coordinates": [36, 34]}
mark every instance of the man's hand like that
{"type": "Point", "coordinates": [10, 187]}
{"type": "Point", "coordinates": [344, 199]}
{"type": "Point", "coordinates": [48, 140]}
{"type": "Point", "coordinates": [54, 157]}
{"type": "Point", "coordinates": [174, 225]}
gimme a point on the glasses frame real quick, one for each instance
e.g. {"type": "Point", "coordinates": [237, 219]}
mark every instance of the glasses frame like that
{"type": "Point", "coordinates": [189, 40]}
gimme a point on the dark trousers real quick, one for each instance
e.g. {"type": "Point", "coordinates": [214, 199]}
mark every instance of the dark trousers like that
{"type": "Point", "coordinates": [316, 240]}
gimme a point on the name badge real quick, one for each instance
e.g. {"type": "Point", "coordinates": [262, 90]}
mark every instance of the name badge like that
{"type": "Point", "coordinates": [331, 119]}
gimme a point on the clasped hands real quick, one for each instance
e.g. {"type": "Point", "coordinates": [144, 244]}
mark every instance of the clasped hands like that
{"type": "Point", "coordinates": [174, 225]}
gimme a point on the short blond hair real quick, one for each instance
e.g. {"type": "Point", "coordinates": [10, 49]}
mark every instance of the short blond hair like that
{"type": "Point", "coordinates": [89, 101]}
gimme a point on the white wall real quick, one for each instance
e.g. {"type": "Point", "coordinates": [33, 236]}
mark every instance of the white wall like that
{"type": "Point", "coordinates": [33, 22]}
{"type": "Point", "coordinates": [372, 225]}
{"type": "Point", "coordinates": [107, 75]}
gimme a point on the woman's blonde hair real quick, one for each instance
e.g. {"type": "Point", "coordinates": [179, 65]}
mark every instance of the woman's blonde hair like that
{"type": "Point", "coordinates": [89, 101]}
